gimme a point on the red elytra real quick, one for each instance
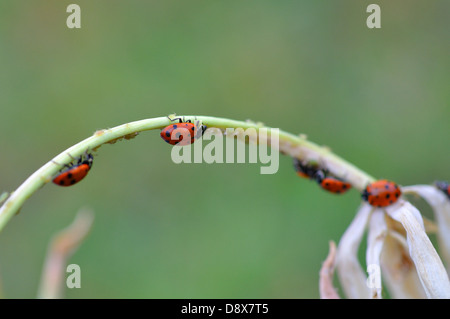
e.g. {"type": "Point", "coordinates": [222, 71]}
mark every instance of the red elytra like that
{"type": "Point", "coordinates": [75, 172]}
{"type": "Point", "coordinates": [175, 134]}
{"type": "Point", "coordinates": [381, 193]}
{"type": "Point", "coordinates": [334, 185]}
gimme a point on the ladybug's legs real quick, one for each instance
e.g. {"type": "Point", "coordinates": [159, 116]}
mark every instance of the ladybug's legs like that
{"type": "Point", "coordinates": [59, 164]}
{"type": "Point", "coordinates": [80, 159]}
{"type": "Point", "coordinates": [88, 157]}
{"type": "Point", "coordinates": [174, 119]}
{"type": "Point", "coordinates": [73, 158]}
{"type": "Point", "coordinates": [200, 131]}
{"type": "Point", "coordinates": [179, 119]}
{"type": "Point", "coordinates": [203, 129]}
{"type": "Point", "coordinates": [67, 165]}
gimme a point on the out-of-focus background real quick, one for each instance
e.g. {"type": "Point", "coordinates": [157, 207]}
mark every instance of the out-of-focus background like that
{"type": "Point", "coordinates": [379, 98]}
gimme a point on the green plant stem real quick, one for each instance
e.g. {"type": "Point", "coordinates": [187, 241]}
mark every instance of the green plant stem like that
{"type": "Point", "coordinates": [289, 144]}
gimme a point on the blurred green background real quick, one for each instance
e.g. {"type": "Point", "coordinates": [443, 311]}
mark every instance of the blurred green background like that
{"type": "Point", "coordinates": [378, 98]}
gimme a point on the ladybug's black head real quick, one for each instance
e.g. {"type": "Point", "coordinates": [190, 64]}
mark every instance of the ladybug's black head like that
{"type": "Point", "coordinates": [443, 186]}
{"type": "Point", "coordinates": [365, 195]}
{"type": "Point", "coordinates": [88, 160]}
{"type": "Point", "coordinates": [319, 176]}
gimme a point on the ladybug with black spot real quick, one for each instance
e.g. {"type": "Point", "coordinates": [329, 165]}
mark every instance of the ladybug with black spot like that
{"type": "Point", "coordinates": [174, 133]}
{"type": "Point", "coordinates": [326, 182]}
{"type": "Point", "coordinates": [444, 187]}
{"type": "Point", "coordinates": [381, 193]}
{"type": "Point", "coordinates": [331, 184]}
{"type": "Point", "coordinates": [75, 172]}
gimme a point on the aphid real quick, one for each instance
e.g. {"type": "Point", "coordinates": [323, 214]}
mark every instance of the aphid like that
{"type": "Point", "coordinates": [75, 172]}
{"type": "Point", "coordinates": [174, 133]}
{"type": "Point", "coordinates": [443, 186]}
{"type": "Point", "coordinates": [381, 193]}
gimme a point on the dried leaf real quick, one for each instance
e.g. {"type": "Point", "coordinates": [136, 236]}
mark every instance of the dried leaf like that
{"type": "Point", "coordinates": [326, 288]}
{"type": "Point", "coordinates": [351, 276]}
{"type": "Point", "coordinates": [429, 266]}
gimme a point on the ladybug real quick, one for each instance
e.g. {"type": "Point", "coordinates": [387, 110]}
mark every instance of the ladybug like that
{"type": "Point", "coordinates": [305, 170]}
{"type": "Point", "coordinates": [334, 185]}
{"type": "Point", "coordinates": [75, 172]}
{"type": "Point", "coordinates": [174, 133]}
{"type": "Point", "coordinates": [443, 186]}
{"type": "Point", "coordinates": [328, 183]}
{"type": "Point", "coordinates": [381, 193]}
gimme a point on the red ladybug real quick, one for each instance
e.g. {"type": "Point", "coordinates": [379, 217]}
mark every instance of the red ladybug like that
{"type": "Point", "coordinates": [328, 183]}
{"type": "Point", "coordinates": [334, 185]}
{"type": "Point", "coordinates": [174, 133]}
{"type": "Point", "coordinates": [75, 172]}
{"type": "Point", "coordinates": [443, 186]}
{"type": "Point", "coordinates": [381, 193]}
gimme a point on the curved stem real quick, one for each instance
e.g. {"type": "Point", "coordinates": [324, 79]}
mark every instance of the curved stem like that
{"type": "Point", "coordinates": [295, 146]}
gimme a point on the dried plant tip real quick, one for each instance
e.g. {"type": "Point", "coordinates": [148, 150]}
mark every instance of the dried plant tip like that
{"type": "Point", "coordinates": [61, 247]}
{"type": "Point", "coordinates": [440, 204]}
{"type": "Point", "coordinates": [351, 275]}
{"type": "Point", "coordinates": [327, 290]}
{"type": "Point", "coordinates": [430, 269]}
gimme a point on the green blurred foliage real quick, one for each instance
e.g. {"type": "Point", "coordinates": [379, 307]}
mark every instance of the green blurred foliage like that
{"type": "Point", "coordinates": [379, 98]}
